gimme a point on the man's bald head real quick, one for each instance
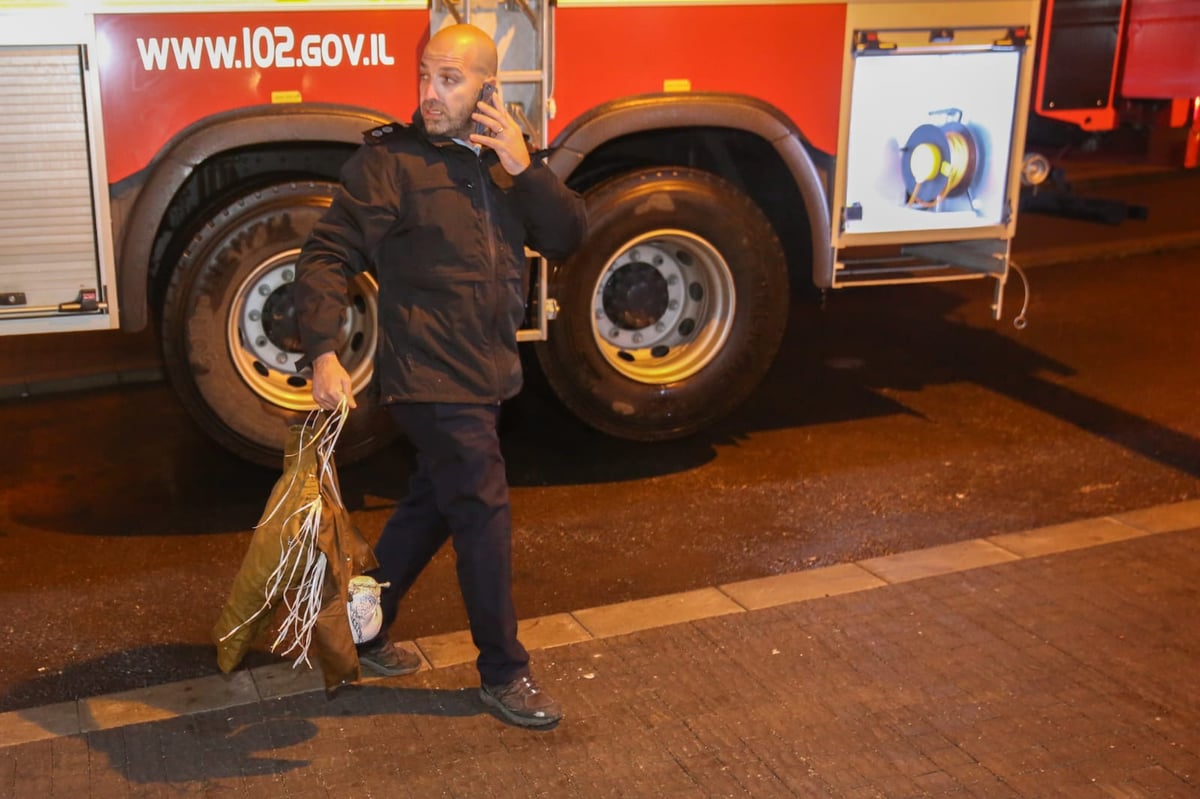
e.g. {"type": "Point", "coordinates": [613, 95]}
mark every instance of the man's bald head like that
{"type": "Point", "coordinates": [467, 45]}
{"type": "Point", "coordinates": [455, 64]}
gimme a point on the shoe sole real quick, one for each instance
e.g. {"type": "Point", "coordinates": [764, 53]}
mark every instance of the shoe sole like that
{"type": "Point", "coordinates": [516, 718]}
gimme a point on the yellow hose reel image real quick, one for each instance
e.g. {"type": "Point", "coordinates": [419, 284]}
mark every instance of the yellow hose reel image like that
{"type": "Point", "coordinates": [939, 162]}
{"type": "Point", "coordinates": [929, 143]}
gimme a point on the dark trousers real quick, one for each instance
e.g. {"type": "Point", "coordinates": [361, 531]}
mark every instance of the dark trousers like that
{"type": "Point", "coordinates": [460, 490]}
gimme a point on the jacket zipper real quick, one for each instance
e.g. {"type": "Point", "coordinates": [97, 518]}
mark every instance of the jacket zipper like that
{"type": "Point", "coordinates": [492, 288]}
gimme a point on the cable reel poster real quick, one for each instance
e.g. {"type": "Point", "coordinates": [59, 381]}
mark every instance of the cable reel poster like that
{"type": "Point", "coordinates": [930, 140]}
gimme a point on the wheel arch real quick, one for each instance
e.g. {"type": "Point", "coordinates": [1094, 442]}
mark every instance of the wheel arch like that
{"type": "Point", "coordinates": [144, 201]}
{"type": "Point", "coordinates": [588, 150]}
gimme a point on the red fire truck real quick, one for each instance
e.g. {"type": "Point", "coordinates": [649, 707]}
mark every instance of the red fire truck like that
{"type": "Point", "coordinates": [161, 164]}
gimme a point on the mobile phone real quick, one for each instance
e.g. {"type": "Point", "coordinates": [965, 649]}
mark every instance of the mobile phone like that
{"type": "Point", "coordinates": [485, 96]}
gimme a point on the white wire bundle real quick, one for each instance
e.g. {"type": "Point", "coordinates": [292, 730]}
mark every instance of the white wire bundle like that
{"type": "Point", "coordinates": [303, 604]}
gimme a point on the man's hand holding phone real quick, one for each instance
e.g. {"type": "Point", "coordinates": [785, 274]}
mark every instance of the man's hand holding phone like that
{"type": "Point", "coordinates": [495, 128]}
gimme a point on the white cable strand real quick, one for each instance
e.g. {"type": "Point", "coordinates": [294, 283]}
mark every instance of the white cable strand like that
{"type": "Point", "coordinates": [1020, 321]}
{"type": "Point", "coordinates": [307, 439]}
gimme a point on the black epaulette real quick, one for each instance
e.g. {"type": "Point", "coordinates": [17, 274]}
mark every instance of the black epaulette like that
{"type": "Point", "coordinates": [382, 133]}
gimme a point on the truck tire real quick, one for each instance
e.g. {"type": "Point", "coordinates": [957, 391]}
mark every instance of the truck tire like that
{"type": "Point", "coordinates": [672, 311]}
{"type": "Point", "coordinates": [229, 338]}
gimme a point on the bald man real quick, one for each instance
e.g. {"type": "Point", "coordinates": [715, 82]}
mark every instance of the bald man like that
{"type": "Point", "coordinates": [441, 214]}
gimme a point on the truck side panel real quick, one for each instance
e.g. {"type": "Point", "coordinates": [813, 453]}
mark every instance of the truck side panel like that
{"type": "Point", "coordinates": [725, 48]}
{"type": "Point", "coordinates": [1162, 55]}
{"type": "Point", "coordinates": [162, 72]}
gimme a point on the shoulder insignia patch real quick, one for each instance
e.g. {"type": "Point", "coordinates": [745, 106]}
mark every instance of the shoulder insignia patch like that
{"type": "Point", "coordinates": [382, 133]}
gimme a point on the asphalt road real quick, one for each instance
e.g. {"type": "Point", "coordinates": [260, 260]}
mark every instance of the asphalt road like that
{"type": "Point", "coordinates": [894, 419]}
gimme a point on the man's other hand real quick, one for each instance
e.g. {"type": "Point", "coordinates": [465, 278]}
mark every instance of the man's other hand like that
{"type": "Point", "coordinates": [331, 382]}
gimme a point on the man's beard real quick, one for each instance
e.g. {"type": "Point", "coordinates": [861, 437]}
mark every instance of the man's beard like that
{"type": "Point", "coordinates": [446, 124]}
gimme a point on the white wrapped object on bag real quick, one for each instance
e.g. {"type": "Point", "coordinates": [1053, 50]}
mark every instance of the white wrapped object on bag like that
{"type": "Point", "coordinates": [366, 616]}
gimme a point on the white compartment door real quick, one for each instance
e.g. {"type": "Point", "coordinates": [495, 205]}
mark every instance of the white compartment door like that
{"type": "Point", "coordinates": [52, 246]}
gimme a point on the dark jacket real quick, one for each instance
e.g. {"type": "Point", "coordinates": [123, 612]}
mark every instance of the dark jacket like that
{"type": "Point", "coordinates": [444, 232]}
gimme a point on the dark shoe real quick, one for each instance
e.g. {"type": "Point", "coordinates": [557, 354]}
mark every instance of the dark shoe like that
{"type": "Point", "coordinates": [388, 659]}
{"type": "Point", "coordinates": [522, 702]}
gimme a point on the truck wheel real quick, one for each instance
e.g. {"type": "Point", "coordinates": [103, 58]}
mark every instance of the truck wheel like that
{"type": "Point", "coordinates": [673, 309]}
{"type": "Point", "coordinates": [230, 341]}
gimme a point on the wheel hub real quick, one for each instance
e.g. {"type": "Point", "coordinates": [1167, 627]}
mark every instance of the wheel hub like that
{"type": "Point", "coordinates": [267, 313]}
{"type": "Point", "coordinates": [636, 296]}
{"type": "Point", "coordinates": [264, 337]}
{"type": "Point", "coordinates": [663, 306]}
{"type": "Point", "coordinates": [279, 320]}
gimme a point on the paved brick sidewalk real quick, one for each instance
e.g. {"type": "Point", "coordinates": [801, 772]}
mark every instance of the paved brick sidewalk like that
{"type": "Point", "coordinates": [1069, 674]}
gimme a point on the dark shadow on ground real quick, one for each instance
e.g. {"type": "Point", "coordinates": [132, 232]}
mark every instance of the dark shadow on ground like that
{"type": "Point", "coordinates": [125, 670]}
{"type": "Point", "coordinates": [249, 740]}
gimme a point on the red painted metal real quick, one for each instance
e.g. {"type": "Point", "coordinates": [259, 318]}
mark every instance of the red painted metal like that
{"type": "Point", "coordinates": [243, 62]}
{"type": "Point", "coordinates": [244, 59]}
{"type": "Point", "coordinates": [604, 53]}
{"type": "Point", "coordinates": [1162, 50]}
